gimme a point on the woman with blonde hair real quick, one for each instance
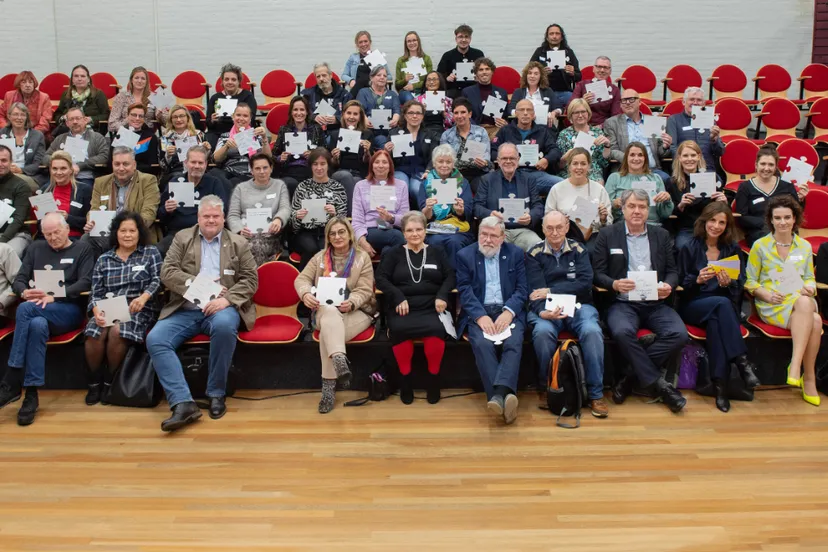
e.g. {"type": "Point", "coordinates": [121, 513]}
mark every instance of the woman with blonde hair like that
{"type": "Point", "coordinates": [72, 198]}
{"type": "Point", "coordinates": [178, 130]}
{"type": "Point", "coordinates": [579, 113]}
{"type": "Point", "coordinates": [338, 323]}
{"type": "Point", "coordinates": [137, 91]}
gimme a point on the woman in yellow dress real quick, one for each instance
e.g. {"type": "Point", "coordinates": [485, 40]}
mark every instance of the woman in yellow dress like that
{"type": "Point", "coordinates": [795, 311]}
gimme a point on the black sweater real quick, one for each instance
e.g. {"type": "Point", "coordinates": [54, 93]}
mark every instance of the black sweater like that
{"type": "Point", "coordinates": [559, 80]}
{"type": "Point", "coordinates": [76, 261]}
{"type": "Point", "coordinates": [751, 204]}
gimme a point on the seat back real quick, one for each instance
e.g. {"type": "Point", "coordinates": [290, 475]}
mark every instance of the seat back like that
{"type": "Point", "coordinates": [798, 149]}
{"type": "Point", "coordinates": [675, 106]}
{"type": "Point", "coordinates": [279, 86]}
{"type": "Point", "coordinates": [154, 80]}
{"type": "Point", "coordinates": [734, 117]}
{"type": "Point", "coordinates": [679, 78]}
{"type": "Point", "coordinates": [507, 78]}
{"type": "Point", "coordinates": [106, 83]}
{"type": "Point", "coordinates": [640, 78]}
{"type": "Point", "coordinates": [190, 87]}
{"type": "Point", "coordinates": [645, 109]}
{"type": "Point", "coordinates": [587, 73]}
{"type": "Point", "coordinates": [818, 117]}
{"type": "Point", "coordinates": [739, 160]}
{"type": "Point", "coordinates": [277, 118]}
{"type": "Point", "coordinates": [276, 293]}
{"type": "Point", "coordinates": [813, 82]}
{"type": "Point", "coordinates": [54, 85]}
{"type": "Point", "coordinates": [772, 81]}
{"type": "Point", "coordinates": [7, 83]}
{"type": "Point", "coordinates": [815, 216]}
{"type": "Point", "coordinates": [781, 117]}
{"type": "Point", "coordinates": [728, 81]}
{"type": "Point", "coordinates": [310, 80]}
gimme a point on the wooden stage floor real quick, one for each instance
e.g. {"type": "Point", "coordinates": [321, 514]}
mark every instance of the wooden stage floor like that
{"type": "Point", "coordinates": [277, 475]}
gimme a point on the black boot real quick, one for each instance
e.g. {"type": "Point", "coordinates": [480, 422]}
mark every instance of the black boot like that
{"type": "Point", "coordinates": [622, 389]}
{"type": "Point", "coordinates": [26, 414]}
{"type": "Point", "coordinates": [406, 391]}
{"type": "Point", "coordinates": [95, 387]}
{"type": "Point", "coordinates": [182, 414]}
{"type": "Point", "coordinates": [722, 402]}
{"type": "Point", "coordinates": [672, 398]}
{"type": "Point", "coordinates": [11, 387]}
{"type": "Point", "coordinates": [748, 372]}
{"type": "Point", "coordinates": [433, 390]}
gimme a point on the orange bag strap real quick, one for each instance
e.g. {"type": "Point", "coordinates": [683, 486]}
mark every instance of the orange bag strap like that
{"type": "Point", "coordinates": [555, 362]}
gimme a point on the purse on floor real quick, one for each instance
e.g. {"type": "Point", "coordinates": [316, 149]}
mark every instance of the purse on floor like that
{"type": "Point", "coordinates": [135, 383]}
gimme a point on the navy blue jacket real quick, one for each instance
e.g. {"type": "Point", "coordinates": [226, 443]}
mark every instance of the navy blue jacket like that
{"type": "Point", "coordinates": [547, 94]}
{"type": "Point", "coordinates": [337, 98]}
{"type": "Point", "coordinates": [571, 274]}
{"type": "Point", "coordinates": [692, 258]}
{"type": "Point", "coordinates": [472, 93]}
{"type": "Point", "coordinates": [76, 215]}
{"type": "Point", "coordinates": [471, 283]}
{"type": "Point", "coordinates": [187, 217]}
{"type": "Point", "coordinates": [546, 138]}
{"type": "Point", "coordinates": [490, 190]}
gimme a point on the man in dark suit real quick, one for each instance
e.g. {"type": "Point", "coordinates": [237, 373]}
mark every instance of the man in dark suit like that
{"type": "Point", "coordinates": [491, 281]}
{"type": "Point", "coordinates": [632, 247]}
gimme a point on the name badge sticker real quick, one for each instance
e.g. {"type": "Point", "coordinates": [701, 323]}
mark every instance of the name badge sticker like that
{"type": "Point", "coordinates": [76, 204]}
{"type": "Point", "coordinates": [616, 251]}
{"type": "Point", "coordinates": [138, 268]}
{"type": "Point", "coordinates": [758, 200]}
{"type": "Point", "coordinates": [229, 272]}
{"type": "Point", "coordinates": [431, 266]}
{"type": "Point", "coordinates": [67, 261]}
{"type": "Point", "coordinates": [104, 198]}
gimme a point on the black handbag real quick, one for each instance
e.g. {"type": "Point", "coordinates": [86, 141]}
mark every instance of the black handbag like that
{"type": "Point", "coordinates": [135, 383]}
{"type": "Point", "coordinates": [377, 387]}
{"type": "Point", "coordinates": [196, 364]}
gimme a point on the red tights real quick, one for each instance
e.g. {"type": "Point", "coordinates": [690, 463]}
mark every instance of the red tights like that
{"type": "Point", "coordinates": [434, 347]}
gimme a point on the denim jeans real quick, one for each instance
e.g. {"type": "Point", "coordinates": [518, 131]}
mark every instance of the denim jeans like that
{"type": "Point", "coordinates": [683, 237]}
{"type": "Point", "coordinates": [543, 180]}
{"type": "Point", "coordinates": [590, 336]}
{"type": "Point", "coordinates": [380, 239]}
{"type": "Point", "coordinates": [563, 99]}
{"type": "Point", "coordinates": [170, 333]}
{"type": "Point", "coordinates": [414, 185]}
{"type": "Point", "coordinates": [33, 325]}
{"type": "Point", "coordinates": [405, 96]}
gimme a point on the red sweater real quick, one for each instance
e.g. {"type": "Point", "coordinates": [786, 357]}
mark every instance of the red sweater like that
{"type": "Point", "coordinates": [603, 110]}
{"type": "Point", "coordinates": [63, 198]}
{"type": "Point", "coordinates": [40, 109]}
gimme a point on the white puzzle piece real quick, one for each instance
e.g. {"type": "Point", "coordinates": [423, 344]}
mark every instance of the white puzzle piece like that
{"type": "Point", "coordinates": [296, 143]}
{"type": "Point", "coordinates": [501, 337]}
{"type": "Point", "coordinates": [541, 113]}
{"type": "Point", "coordinates": [126, 137]}
{"type": "Point", "coordinates": [102, 220]}
{"type": "Point", "coordinates": [183, 145]}
{"type": "Point", "coordinates": [381, 118]}
{"type": "Point", "coordinates": [435, 101]}
{"type": "Point", "coordinates": [702, 117]}
{"type": "Point", "coordinates": [529, 154]}
{"type": "Point", "coordinates": [556, 59]}
{"type": "Point", "coordinates": [415, 67]}
{"type": "Point", "coordinates": [349, 140]}
{"type": "Point", "coordinates": [42, 204]}
{"type": "Point", "coordinates": [226, 106]}
{"type": "Point", "coordinates": [788, 281]}
{"type": "Point", "coordinates": [383, 196]}
{"type": "Point", "coordinates": [316, 211]}
{"type": "Point", "coordinates": [114, 309]}
{"type": "Point", "coordinates": [403, 145]}
{"type": "Point", "coordinates": [464, 71]}
{"type": "Point", "coordinates": [202, 290]}
{"type": "Point", "coordinates": [566, 302]}
{"type": "Point", "coordinates": [77, 147]}
{"type": "Point", "coordinates": [246, 141]}
{"type": "Point", "coordinates": [162, 98]}
{"type": "Point", "coordinates": [654, 126]}
{"type": "Point", "coordinates": [494, 107]}
{"type": "Point", "coordinates": [584, 211]}
{"type": "Point", "coordinates": [512, 208]}
{"type": "Point", "coordinates": [183, 193]}
{"type": "Point", "coordinates": [6, 213]}
{"type": "Point", "coordinates": [600, 90]}
{"type": "Point", "coordinates": [374, 58]}
{"type": "Point", "coordinates": [258, 218]}
{"type": "Point", "coordinates": [584, 140]}
{"type": "Point", "coordinates": [703, 184]}
{"type": "Point", "coordinates": [648, 186]}
{"type": "Point", "coordinates": [473, 150]}
{"type": "Point", "coordinates": [325, 109]}
{"type": "Point", "coordinates": [798, 172]}
{"type": "Point", "coordinates": [49, 281]}
{"type": "Point", "coordinates": [330, 291]}
{"type": "Point", "coordinates": [646, 285]}
{"type": "Point", "coordinates": [445, 190]}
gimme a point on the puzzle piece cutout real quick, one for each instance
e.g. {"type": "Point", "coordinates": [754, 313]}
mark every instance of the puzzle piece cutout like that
{"type": "Point", "coordinates": [349, 140]}
{"type": "Point", "coordinates": [50, 281]}
{"type": "Point", "coordinates": [126, 137]}
{"type": "Point", "coordinates": [330, 290]}
{"type": "Point", "coordinates": [114, 309]}
{"type": "Point", "coordinates": [102, 219]}
{"type": "Point", "coordinates": [259, 218]}
{"type": "Point", "coordinates": [202, 290]}
{"type": "Point", "coordinates": [182, 192]}
{"type": "Point", "coordinates": [703, 184]}
{"type": "Point", "coordinates": [403, 145]}
{"type": "Point", "coordinates": [296, 143]}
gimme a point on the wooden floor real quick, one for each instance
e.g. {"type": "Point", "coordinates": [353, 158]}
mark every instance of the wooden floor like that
{"type": "Point", "coordinates": [277, 475]}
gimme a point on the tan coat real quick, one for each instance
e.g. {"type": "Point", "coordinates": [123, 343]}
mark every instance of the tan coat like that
{"type": "Point", "coordinates": [238, 272]}
{"type": "Point", "coordinates": [142, 195]}
{"type": "Point", "coordinates": [360, 283]}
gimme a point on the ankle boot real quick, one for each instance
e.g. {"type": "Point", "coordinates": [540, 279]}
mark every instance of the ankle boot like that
{"type": "Point", "coordinates": [722, 401]}
{"type": "Point", "coordinates": [433, 390]}
{"type": "Point", "coordinates": [326, 404]}
{"type": "Point", "coordinates": [406, 391]}
{"type": "Point", "coordinates": [748, 371]}
{"type": "Point", "coordinates": [95, 387]}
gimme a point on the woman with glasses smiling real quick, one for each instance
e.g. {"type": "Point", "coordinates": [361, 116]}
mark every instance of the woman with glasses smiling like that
{"type": "Point", "coordinates": [179, 129]}
{"type": "Point", "coordinates": [579, 113]}
{"type": "Point", "coordinates": [146, 151]}
{"type": "Point", "coordinates": [437, 121]}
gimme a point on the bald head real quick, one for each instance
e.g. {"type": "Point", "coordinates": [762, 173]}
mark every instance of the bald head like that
{"type": "Point", "coordinates": [56, 230]}
{"type": "Point", "coordinates": [525, 113]}
{"type": "Point", "coordinates": [555, 228]}
{"type": "Point", "coordinates": [630, 103]}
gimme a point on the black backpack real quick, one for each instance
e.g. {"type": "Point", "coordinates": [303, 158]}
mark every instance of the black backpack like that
{"type": "Point", "coordinates": [566, 388]}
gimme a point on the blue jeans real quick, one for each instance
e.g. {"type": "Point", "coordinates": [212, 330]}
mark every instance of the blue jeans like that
{"type": "Point", "coordinates": [543, 180]}
{"type": "Point", "coordinates": [493, 372]}
{"type": "Point", "coordinates": [590, 336]}
{"type": "Point", "coordinates": [33, 326]}
{"type": "Point", "coordinates": [380, 239]}
{"type": "Point", "coordinates": [170, 333]}
{"type": "Point", "coordinates": [664, 176]}
{"type": "Point", "coordinates": [563, 99]}
{"type": "Point", "coordinates": [405, 96]}
{"type": "Point", "coordinates": [724, 337]}
{"type": "Point", "coordinates": [414, 185]}
{"type": "Point", "coordinates": [683, 237]}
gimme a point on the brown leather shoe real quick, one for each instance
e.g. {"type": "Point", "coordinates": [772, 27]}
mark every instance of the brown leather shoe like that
{"type": "Point", "coordinates": [599, 407]}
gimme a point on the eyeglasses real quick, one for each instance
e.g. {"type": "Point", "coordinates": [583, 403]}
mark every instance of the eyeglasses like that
{"type": "Point", "coordinates": [574, 113]}
{"type": "Point", "coordinates": [500, 159]}
{"type": "Point", "coordinates": [412, 113]}
{"type": "Point", "coordinates": [137, 115]}
{"type": "Point", "coordinates": [338, 233]}
{"type": "Point", "coordinates": [556, 229]}
{"type": "Point", "coordinates": [603, 67]}
{"type": "Point", "coordinates": [629, 100]}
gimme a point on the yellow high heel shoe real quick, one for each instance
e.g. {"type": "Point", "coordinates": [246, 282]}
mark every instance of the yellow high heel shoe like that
{"type": "Point", "coordinates": [794, 382]}
{"type": "Point", "coordinates": [811, 399]}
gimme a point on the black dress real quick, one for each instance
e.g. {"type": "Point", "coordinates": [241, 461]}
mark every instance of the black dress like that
{"type": "Point", "coordinates": [395, 282]}
{"type": "Point", "coordinates": [751, 204]}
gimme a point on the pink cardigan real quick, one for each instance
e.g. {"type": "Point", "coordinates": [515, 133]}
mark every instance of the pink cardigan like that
{"type": "Point", "coordinates": [40, 109]}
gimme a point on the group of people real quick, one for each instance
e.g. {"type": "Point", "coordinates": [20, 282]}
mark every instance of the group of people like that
{"type": "Point", "coordinates": [454, 204]}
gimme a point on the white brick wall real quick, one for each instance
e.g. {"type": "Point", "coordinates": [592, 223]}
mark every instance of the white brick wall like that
{"type": "Point", "coordinates": [53, 35]}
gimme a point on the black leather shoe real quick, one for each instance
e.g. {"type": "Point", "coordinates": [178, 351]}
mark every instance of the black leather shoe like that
{"type": "Point", "coordinates": [182, 414]}
{"type": "Point", "coordinates": [433, 390]}
{"type": "Point", "coordinates": [672, 398]}
{"type": "Point", "coordinates": [722, 401]}
{"type": "Point", "coordinates": [406, 391]}
{"type": "Point", "coordinates": [217, 407]}
{"type": "Point", "coordinates": [94, 387]}
{"type": "Point", "coordinates": [748, 372]}
{"type": "Point", "coordinates": [26, 414]}
{"type": "Point", "coordinates": [622, 389]}
{"type": "Point", "coordinates": [8, 394]}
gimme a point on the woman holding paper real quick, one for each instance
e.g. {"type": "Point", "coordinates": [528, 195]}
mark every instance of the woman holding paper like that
{"type": "Point", "coordinates": [780, 275]}
{"type": "Point", "coordinates": [351, 162]}
{"type": "Point", "coordinates": [377, 96]}
{"type": "Point", "coordinates": [411, 169]}
{"type": "Point", "coordinates": [635, 172]}
{"type": "Point", "coordinates": [417, 280]}
{"type": "Point", "coordinates": [535, 86]}
{"type": "Point", "coordinates": [440, 119]}
{"type": "Point", "coordinates": [307, 231]}
{"type": "Point", "coordinates": [146, 150]}
{"type": "Point", "coordinates": [293, 167]}
{"type": "Point", "coordinates": [409, 85]}
{"type": "Point", "coordinates": [687, 161]}
{"type": "Point", "coordinates": [29, 144]}
{"type": "Point", "coordinates": [379, 204]}
{"type": "Point", "coordinates": [754, 194]}
{"type": "Point", "coordinates": [131, 268]}
{"type": "Point", "coordinates": [712, 296]}
{"type": "Point", "coordinates": [577, 193]}
{"type": "Point", "coordinates": [179, 130]}
{"type": "Point", "coordinates": [38, 103]}
{"type": "Point", "coordinates": [447, 214]}
{"type": "Point", "coordinates": [582, 134]}
{"type": "Point", "coordinates": [137, 92]}
{"type": "Point", "coordinates": [338, 323]}
{"type": "Point", "coordinates": [72, 198]}
{"type": "Point", "coordinates": [82, 94]}
{"type": "Point", "coordinates": [356, 73]}
{"type": "Point", "coordinates": [561, 80]}
{"type": "Point", "coordinates": [227, 156]}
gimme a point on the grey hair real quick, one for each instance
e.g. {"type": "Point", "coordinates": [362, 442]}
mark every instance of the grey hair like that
{"type": "Point", "coordinates": [413, 216]}
{"type": "Point", "coordinates": [230, 68]}
{"type": "Point", "coordinates": [636, 193]}
{"type": "Point", "coordinates": [75, 108]}
{"type": "Point", "coordinates": [60, 219]}
{"type": "Point", "coordinates": [505, 145]}
{"type": "Point", "coordinates": [377, 69]}
{"type": "Point", "coordinates": [443, 150]}
{"type": "Point", "coordinates": [603, 57]}
{"type": "Point", "coordinates": [555, 212]}
{"type": "Point", "coordinates": [211, 200]}
{"type": "Point", "coordinates": [198, 149]}
{"type": "Point", "coordinates": [123, 150]}
{"type": "Point", "coordinates": [320, 66]}
{"type": "Point", "coordinates": [692, 90]}
{"type": "Point", "coordinates": [22, 107]}
{"type": "Point", "coordinates": [493, 222]}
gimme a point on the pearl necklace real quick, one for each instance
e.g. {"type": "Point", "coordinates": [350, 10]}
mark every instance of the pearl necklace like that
{"type": "Point", "coordinates": [412, 268]}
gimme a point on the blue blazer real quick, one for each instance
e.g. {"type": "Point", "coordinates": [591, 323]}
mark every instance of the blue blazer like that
{"type": "Point", "coordinates": [472, 93]}
{"type": "Point", "coordinates": [471, 283]}
{"type": "Point", "coordinates": [490, 190]}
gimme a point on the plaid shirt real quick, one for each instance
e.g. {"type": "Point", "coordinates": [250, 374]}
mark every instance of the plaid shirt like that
{"type": "Point", "coordinates": [140, 273]}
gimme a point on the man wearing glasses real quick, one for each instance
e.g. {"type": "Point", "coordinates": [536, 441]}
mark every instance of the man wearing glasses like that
{"type": "Point", "coordinates": [561, 266]}
{"type": "Point", "coordinates": [606, 107]}
{"type": "Point", "coordinates": [629, 127]}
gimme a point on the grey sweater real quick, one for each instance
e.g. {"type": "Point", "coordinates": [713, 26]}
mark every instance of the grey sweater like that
{"type": "Point", "coordinates": [97, 152]}
{"type": "Point", "coordinates": [246, 195]}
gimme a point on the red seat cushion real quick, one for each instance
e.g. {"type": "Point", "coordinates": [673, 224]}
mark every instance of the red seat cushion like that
{"type": "Point", "coordinates": [642, 332]}
{"type": "Point", "coordinates": [295, 258]}
{"type": "Point", "coordinates": [567, 335]}
{"type": "Point", "coordinates": [744, 246]}
{"type": "Point", "coordinates": [362, 337]}
{"type": "Point", "coordinates": [778, 138]}
{"type": "Point", "coordinates": [273, 328]}
{"type": "Point", "coordinates": [700, 333]}
{"type": "Point", "coordinates": [65, 337]}
{"type": "Point", "coordinates": [7, 331]}
{"type": "Point", "coordinates": [767, 329]}
{"type": "Point", "coordinates": [200, 338]}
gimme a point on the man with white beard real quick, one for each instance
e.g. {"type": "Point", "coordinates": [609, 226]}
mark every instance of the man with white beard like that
{"type": "Point", "coordinates": [491, 281]}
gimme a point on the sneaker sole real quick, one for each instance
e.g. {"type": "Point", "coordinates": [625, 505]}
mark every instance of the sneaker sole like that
{"type": "Point", "coordinates": [600, 414]}
{"type": "Point", "coordinates": [495, 408]}
{"type": "Point", "coordinates": [190, 419]}
{"type": "Point", "coordinates": [510, 409]}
